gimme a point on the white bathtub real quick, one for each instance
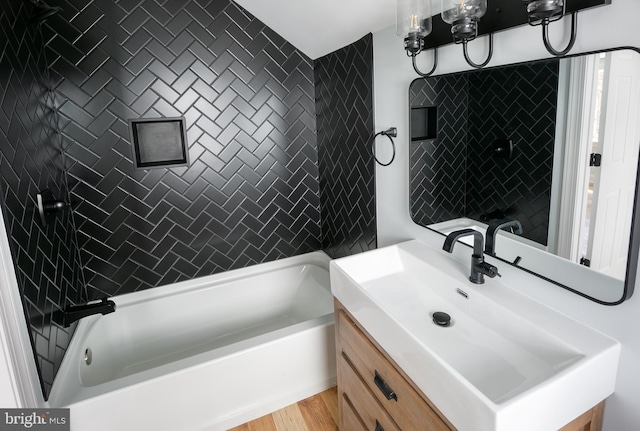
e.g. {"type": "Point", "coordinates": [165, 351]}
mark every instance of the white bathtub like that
{"type": "Point", "coordinates": [206, 354]}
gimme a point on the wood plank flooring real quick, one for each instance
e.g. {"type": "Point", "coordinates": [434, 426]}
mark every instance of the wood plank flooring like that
{"type": "Point", "coordinates": [316, 413]}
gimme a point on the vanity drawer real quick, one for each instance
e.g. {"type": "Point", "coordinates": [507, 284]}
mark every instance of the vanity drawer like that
{"type": "Point", "coordinates": [392, 391]}
{"type": "Point", "coordinates": [359, 396]}
{"type": "Point", "coordinates": [349, 418]}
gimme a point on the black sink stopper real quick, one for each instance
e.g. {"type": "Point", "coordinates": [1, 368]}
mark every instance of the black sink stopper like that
{"type": "Point", "coordinates": [441, 318]}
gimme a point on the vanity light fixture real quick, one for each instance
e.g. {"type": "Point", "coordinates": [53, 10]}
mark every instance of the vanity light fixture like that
{"type": "Point", "coordinates": [413, 23]}
{"type": "Point", "coordinates": [543, 12]}
{"type": "Point", "coordinates": [463, 16]}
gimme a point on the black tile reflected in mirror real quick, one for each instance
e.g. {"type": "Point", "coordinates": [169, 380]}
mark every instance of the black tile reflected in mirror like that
{"type": "Point", "coordinates": [476, 109]}
{"type": "Point", "coordinates": [424, 123]}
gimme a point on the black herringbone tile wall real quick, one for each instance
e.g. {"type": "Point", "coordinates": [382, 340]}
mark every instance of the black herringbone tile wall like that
{"type": "Point", "coordinates": [344, 104]}
{"type": "Point", "coordinates": [45, 258]}
{"type": "Point", "coordinates": [459, 174]}
{"type": "Point", "coordinates": [517, 103]}
{"type": "Point", "coordinates": [437, 170]}
{"type": "Point", "coordinates": [251, 192]}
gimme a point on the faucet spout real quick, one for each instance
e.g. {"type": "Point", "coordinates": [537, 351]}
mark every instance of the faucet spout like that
{"type": "Point", "coordinates": [492, 231]}
{"type": "Point", "coordinates": [454, 236]}
{"type": "Point", "coordinates": [74, 313]}
{"type": "Point", "coordinates": [479, 268]}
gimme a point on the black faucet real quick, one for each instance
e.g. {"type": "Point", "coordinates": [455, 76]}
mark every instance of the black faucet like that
{"type": "Point", "coordinates": [479, 268]}
{"type": "Point", "coordinates": [76, 312]}
{"type": "Point", "coordinates": [492, 231]}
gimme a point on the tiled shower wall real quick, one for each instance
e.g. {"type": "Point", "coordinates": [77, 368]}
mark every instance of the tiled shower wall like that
{"type": "Point", "coordinates": [438, 166]}
{"type": "Point", "coordinates": [459, 174]}
{"type": "Point", "coordinates": [46, 258]}
{"type": "Point", "coordinates": [251, 192]}
{"type": "Point", "coordinates": [344, 100]}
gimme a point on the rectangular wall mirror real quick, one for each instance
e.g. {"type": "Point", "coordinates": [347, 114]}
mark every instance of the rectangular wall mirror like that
{"type": "Point", "coordinates": [542, 158]}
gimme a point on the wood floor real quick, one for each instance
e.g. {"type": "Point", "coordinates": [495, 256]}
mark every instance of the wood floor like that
{"type": "Point", "coordinates": [317, 413]}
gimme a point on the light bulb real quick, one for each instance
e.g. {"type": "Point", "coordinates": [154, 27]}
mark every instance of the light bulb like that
{"type": "Point", "coordinates": [413, 18]}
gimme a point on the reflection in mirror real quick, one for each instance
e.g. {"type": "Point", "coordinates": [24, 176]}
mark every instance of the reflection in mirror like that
{"type": "Point", "coordinates": [544, 156]}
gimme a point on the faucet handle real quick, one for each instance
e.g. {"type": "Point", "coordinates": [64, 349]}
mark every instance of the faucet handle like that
{"type": "Point", "coordinates": [489, 270]}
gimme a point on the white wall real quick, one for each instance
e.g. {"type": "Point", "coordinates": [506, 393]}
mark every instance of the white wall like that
{"type": "Point", "coordinates": [8, 392]}
{"type": "Point", "coordinates": [600, 28]}
{"type": "Point", "coordinates": [19, 384]}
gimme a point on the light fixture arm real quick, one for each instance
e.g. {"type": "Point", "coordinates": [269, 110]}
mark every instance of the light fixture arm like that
{"type": "Point", "coordinates": [435, 64]}
{"type": "Point", "coordinates": [574, 31]}
{"type": "Point", "coordinates": [466, 53]}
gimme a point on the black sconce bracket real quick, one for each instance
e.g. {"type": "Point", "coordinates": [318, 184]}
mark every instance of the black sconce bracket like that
{"type": "Point", "coordinates": [500, 15]}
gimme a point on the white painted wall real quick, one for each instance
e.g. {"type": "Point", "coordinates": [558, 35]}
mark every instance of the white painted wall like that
{"type": "Point", "coordinates": [8, 391]}
{"type": "Point", "coordinates": [601, 28]}
{"type": "Point", "coordinates": [19, 384]}
{"type": "Point", "coordinates": [318, 28]}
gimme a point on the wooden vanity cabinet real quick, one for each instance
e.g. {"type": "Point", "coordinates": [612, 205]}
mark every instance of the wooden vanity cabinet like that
{"type": "Point", "coordinates": [374, 394]}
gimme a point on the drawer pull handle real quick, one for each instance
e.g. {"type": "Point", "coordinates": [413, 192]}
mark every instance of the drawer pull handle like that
{"type": "Point", "coordinates": [378, 426]}
{"type": "Point", "coordinates": [384, 388]}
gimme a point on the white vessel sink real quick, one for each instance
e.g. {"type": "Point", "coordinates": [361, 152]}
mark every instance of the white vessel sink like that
{"type": "Point", "coordinates": [505, 363]}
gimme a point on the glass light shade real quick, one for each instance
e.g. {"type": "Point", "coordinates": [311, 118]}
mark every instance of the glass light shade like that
{"type": "Point", "coordinates": [454, 11]}
{"type": "Point", "coordinates": [544, 9]}
{"type": "Point", "coordinates": [413, 18]}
